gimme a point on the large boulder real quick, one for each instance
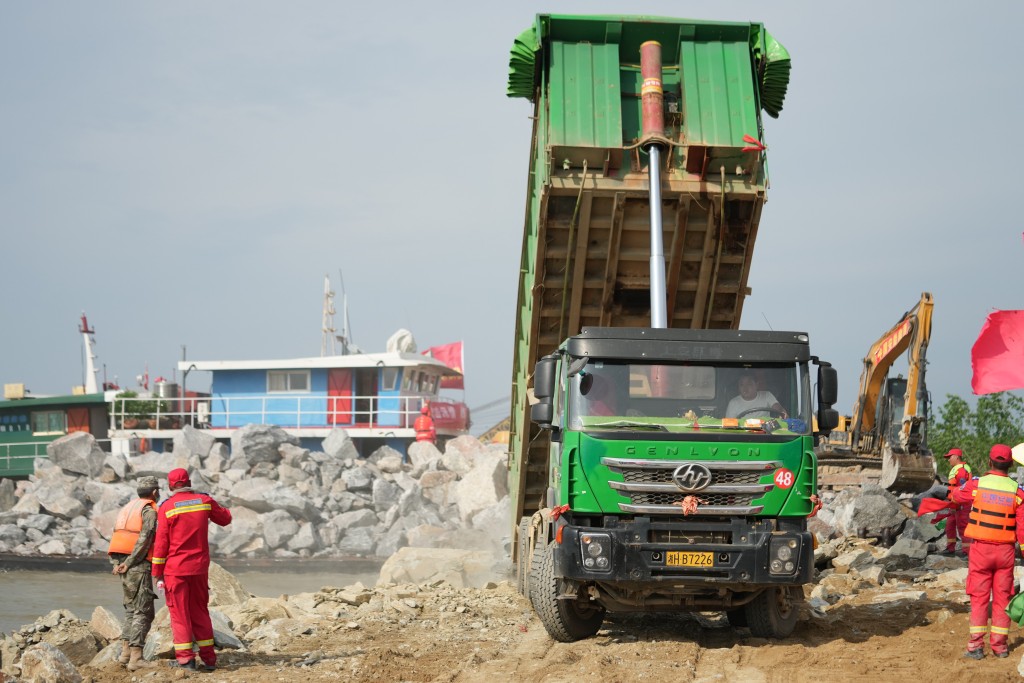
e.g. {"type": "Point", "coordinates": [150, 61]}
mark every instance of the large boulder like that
{"type": "Point", "coordinates": [260, 443]}
{"type": "Point", "coordinates": [105, 625]}
{"type": "Point", "coordinates": [59, 502]}
{"type": "Point", "coordinates": [421, 454]}
{"type": "Point", "coordinates": [483, 486]}
{"type": "Point", "coordinates": [252, 493]}
{"type": "Point", "coordinates": [47, 664]}
{"type": "Point", "coordinates": [867, 511]}
{"type": "Point", "coordinates": [338, 444]}
{"type": "Point", "coordinates": [278, 528]}
{"type": "Point", "coordinates": [77, 452]}
{"type": "Point", "coordinates": [155, 464]}
{"type": "Point", "coordinates": [459, 568]}
{"type": "Point", "coordinates": [225, 589]}
{"type": "Point", "coordinates": [7, 497]}
{"type": "Point", "coordinates": [192, 442]}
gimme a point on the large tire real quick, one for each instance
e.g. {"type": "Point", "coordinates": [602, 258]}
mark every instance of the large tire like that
{"type": "Point", "coordinates": [773, 613]}
{"type": "Point", "coordinates": [523, 559]}
{"type": "Point", "coordinates": [564, 620]}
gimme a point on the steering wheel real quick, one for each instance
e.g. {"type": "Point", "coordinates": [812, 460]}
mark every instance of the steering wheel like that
{"type": "Point", "coordinates": [774, 413]}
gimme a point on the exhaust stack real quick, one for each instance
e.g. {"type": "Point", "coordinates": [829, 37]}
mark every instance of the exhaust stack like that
{"type": "Point", "coordinates": [652, 103]}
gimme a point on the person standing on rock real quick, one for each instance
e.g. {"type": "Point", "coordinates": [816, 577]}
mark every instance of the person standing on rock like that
{"type": "Point", "coordinates": [131, 551]}
{"type": "Point", "coordinates": [959, 474]}
{"type": "Point", "coordinates": [995, 526]}
{"type": "Point", "coordinates": [181, 567]}
{"type": "Point", "coordinates": [424, 426]}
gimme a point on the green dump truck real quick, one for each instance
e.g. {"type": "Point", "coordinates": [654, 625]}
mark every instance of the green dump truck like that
{"type": "Point", "coordinates": [642, 478]}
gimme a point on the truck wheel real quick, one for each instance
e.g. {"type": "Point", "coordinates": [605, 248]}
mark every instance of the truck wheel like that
{"type": "Point", "coordinates": [523, 560]}
{"type": "Point", "coordinates": [773, 613]}
{"type": "Point", "coordinates": [564, 620]}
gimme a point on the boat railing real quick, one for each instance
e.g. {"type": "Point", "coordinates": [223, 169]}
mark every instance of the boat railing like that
{"type": "Point", "coordinates": [19, 457]}
{"type": "Point", "coordinates": [284, 410]}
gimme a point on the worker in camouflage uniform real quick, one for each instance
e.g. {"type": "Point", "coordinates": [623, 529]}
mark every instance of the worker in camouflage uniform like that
{"type": "Point", "coordinates": [131, 552]}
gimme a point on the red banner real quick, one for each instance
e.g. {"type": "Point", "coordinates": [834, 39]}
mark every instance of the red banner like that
{"type": "Point", "coordinates": [450, 355]}
{"type": "Point", "coordinates": [998, 355]}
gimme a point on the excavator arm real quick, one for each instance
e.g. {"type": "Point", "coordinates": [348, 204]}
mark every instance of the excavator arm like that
{"type": "Point", "coordinates": [913, 331]}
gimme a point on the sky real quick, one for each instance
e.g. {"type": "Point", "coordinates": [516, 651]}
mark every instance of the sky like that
{"type": "Point", "coordinates": [187, 173]}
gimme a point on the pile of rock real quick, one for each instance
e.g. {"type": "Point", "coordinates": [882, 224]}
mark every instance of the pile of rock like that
{"type": "Point", "coordinates": [286, 501]}
{"type": "Point", "coordinates": [869, 539]}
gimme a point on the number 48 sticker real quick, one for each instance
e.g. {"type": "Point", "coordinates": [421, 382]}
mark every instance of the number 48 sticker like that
{"type": "Point", "coordinates": [784, 478]}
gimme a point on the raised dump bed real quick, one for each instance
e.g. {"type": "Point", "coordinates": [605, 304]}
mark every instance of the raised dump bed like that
{"type": "Point", "coordinates": [586, 240]}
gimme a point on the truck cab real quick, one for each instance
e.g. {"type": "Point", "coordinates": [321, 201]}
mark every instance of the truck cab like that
{"type": "Point", "coordinates": [666, 492]}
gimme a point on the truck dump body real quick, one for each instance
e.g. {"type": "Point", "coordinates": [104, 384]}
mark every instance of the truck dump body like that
{"type": "Point", "coordinates": [586, 255]}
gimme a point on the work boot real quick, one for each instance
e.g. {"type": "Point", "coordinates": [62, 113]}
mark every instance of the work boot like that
{"type": "Point", "coordinates": [1002, 655]}
{"type": "Point", "coordinates": [190, 665]}
{"type": "Point", "coordinates": [125, 657]}
{"type": "Point", "coordinates": [975, 654]}
{"type": "Point", "coordinates": [137, 662]}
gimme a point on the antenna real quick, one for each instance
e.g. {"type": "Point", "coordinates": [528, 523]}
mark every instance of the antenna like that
{"type": "Point", "coordinates": [327, 331]}
{"type": "Point", "coordinates": [90, 357]}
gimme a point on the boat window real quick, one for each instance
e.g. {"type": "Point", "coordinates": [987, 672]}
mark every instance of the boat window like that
{"type": "Point", "coordinates": [48, 422]}
{"type": "Point", "coordinates": [388, 379]}
{"type": "Point", "coordinates": [431, 384]}
{"type": "Point", "coordinates": [287, 380]}
{"type": "Point", "coordinates": [406, 380]}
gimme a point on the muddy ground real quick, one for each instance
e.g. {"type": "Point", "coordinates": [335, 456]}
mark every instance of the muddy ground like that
{"type": "Point", "coordinates": [492, 635]}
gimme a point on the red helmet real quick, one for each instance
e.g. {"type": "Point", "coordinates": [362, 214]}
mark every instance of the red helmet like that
{"type": "Point", "coordinates": [425, 409]}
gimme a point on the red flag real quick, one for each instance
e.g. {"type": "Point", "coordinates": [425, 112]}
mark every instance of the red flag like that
{"type": "Point", "coordinates": [998, 355]}
{"type": "Point", "coordinates": [450, 355]}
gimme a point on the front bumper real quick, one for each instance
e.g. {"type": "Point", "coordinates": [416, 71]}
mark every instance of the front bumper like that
{"type": "Point", "coordinates": [741, 551]}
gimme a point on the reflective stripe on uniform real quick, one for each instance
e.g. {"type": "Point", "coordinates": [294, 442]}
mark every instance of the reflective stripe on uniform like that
{"type": "Point", "coordinates": [204, 643]}
{"type": "Point", "coordinates": [183, 646]}
{"type": "Point", "coordinates": [1001, 630]}
{"type": "Point", "coordinates": [979, 629]}
{"type": "Point", "coordinates": [188, 508]}
{"type": "Point", "coordinates": [159, 560]}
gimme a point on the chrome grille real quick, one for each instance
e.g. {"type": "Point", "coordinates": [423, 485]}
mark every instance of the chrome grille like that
{"type": "Point", "coordinates": [648, 485]}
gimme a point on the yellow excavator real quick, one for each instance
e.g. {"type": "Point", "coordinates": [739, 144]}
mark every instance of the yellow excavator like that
{"type": "Point", "coordinates": [885, 441]}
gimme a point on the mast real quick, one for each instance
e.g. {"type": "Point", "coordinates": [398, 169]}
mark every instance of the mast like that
{"type": "Point", "coordinates": [90, 357]}
{"type": "Point", "coordinates": [327, 332]}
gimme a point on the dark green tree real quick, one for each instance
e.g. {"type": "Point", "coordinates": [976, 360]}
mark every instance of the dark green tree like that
{"type": "Point", "coordinates": [998, 418]}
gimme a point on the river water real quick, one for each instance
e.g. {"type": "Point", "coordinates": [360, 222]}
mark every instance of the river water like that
{"type": "Point", "coordinates": [30, 589]}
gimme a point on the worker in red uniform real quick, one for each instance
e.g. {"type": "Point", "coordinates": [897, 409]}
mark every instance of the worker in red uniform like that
{"type": "Point", "coordinates": [995, 527]}
{"type": "Point", "coordinates": [424, 426]}
{"type": "Point", "coordinates": [181, 565]}
{"type": "Point", "coordinates": [959, 474]}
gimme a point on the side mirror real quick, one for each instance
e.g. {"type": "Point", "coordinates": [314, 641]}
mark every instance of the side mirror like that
{"type": "Point", "coordinates": [543, 414]}
{"type": "Point", "coordinates": [828, 419]}
{"type": "Point", "coordinates": [828, 385]}
{"type": "Point", "coordinates": [544, 378]}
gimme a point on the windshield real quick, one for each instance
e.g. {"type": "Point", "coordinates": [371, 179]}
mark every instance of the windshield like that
{"type": "Point", "coordinates": [685, 397]}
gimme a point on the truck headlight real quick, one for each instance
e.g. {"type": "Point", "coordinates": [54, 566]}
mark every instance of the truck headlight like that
{"type": "Point", "coordinates": [596, 550]}
{"type": "Point", "coordinates": [781, 553]}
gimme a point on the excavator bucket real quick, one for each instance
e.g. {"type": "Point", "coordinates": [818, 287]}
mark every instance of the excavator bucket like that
{"type": "Point", "coordinates": [907, 473]}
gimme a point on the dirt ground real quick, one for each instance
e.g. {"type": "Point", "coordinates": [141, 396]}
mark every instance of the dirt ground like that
{"type": "Point", "coordinates": [491, 634]}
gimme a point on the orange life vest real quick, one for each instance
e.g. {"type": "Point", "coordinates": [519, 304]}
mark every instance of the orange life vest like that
{"type": "Point", "coordinates": [994, 510]}
{"type": "Point", "coordinates": [424, 428]}
{"type": "Point", "coordinates": [128, 526]}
